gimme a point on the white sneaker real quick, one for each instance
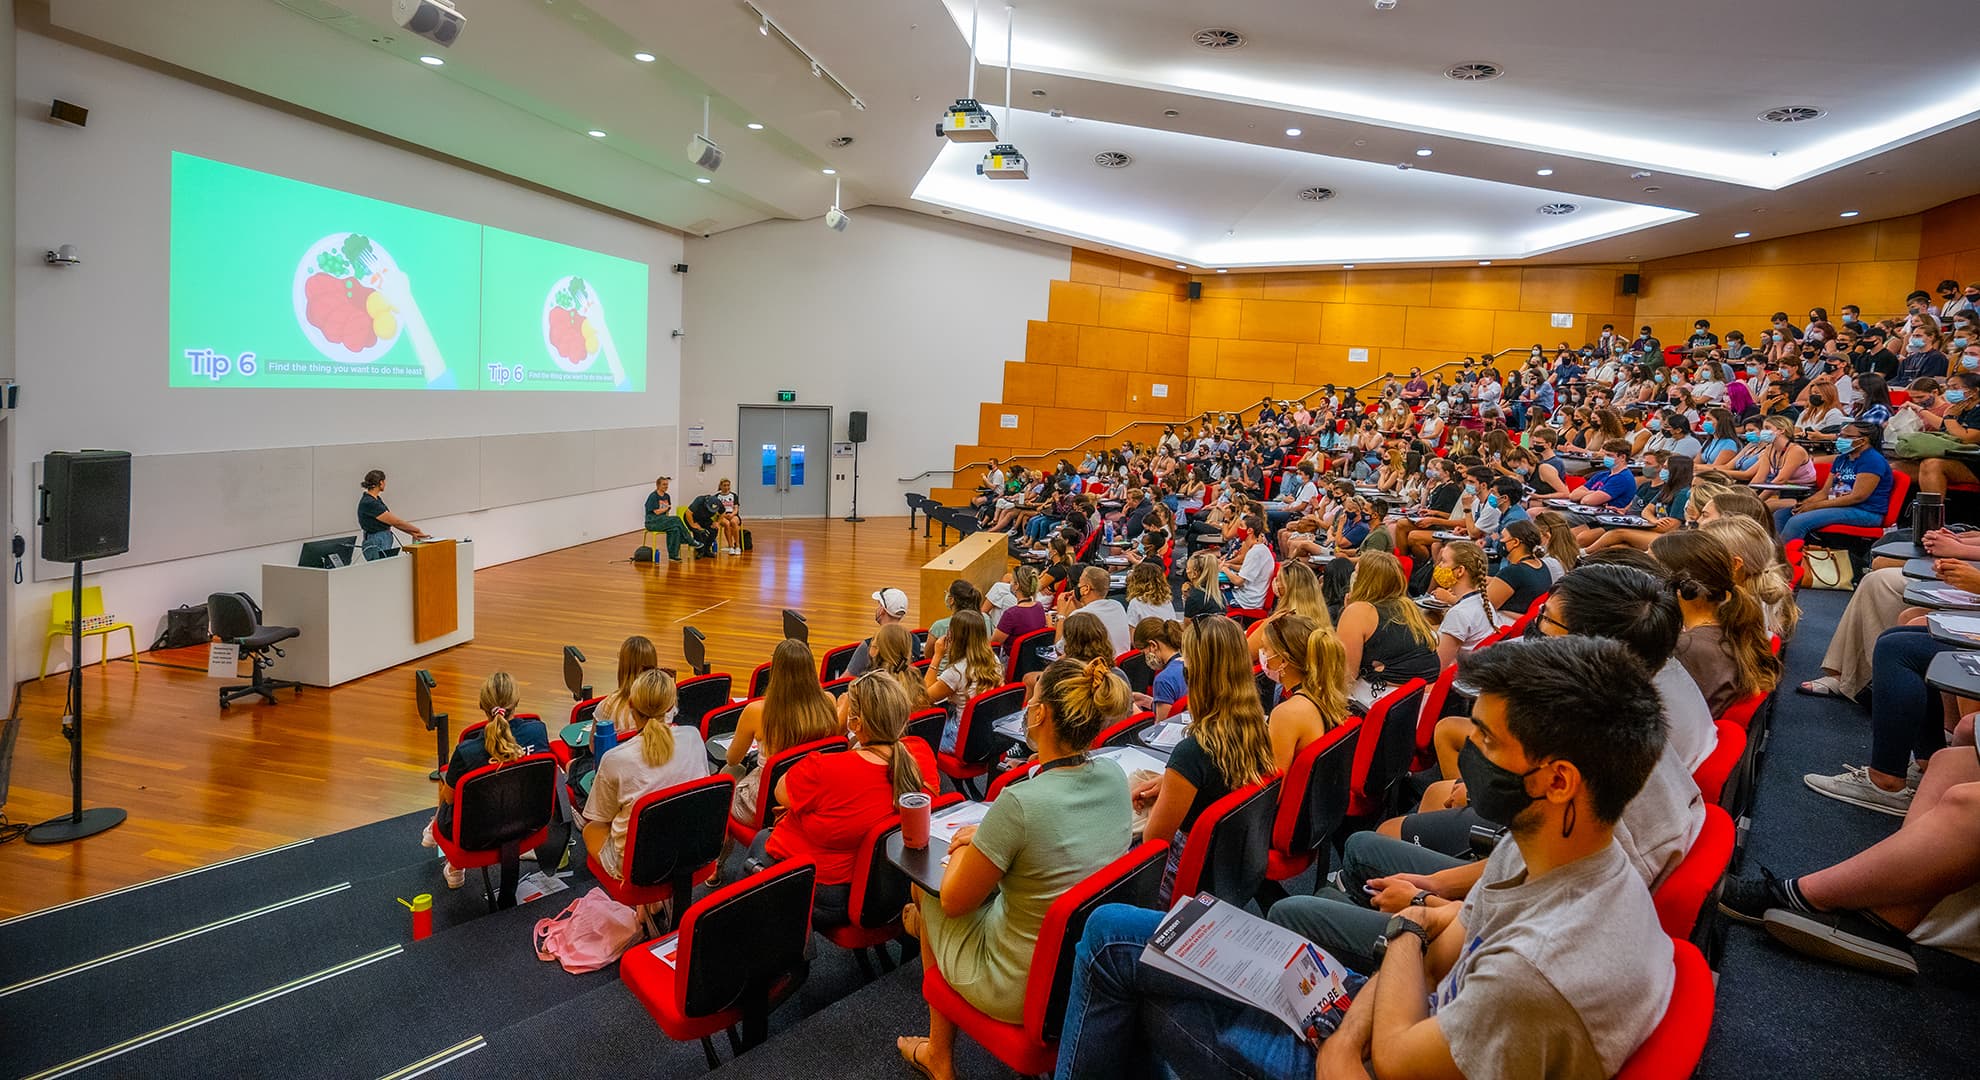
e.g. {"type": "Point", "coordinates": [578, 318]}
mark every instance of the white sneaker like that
{"type": "Point", "coordinates": [1854, 786]}
{"type": "Point", "coordinates": [426, 838]}
{"type": "Point", "coordinates": [735, 551]}
{"type": "Point", "coordinates": [456, 877]}
{"type": "Point", "coordinates": [1914, 774]}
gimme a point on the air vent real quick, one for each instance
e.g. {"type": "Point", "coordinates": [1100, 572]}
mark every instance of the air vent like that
{"type": "Point", "coordinates": [1113, 159]}
{"type": "Point", "coordinates": [1475, 71]}
{"type": "Point", "coordinates": [1316, 194]}
{"type": "Point", "coordinates": [1792, 114]}
{"type": "Point", "coordinates": [843, 140]}
{"type": "Point", "coordinates": [1217, 37]}
{"type": "Point", "coordinates": [1559, 209]}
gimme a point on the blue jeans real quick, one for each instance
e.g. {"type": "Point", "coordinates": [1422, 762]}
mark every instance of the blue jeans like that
{"type": "Point", "coordinates": [1793, 526]}
{"type": "Point", "coordinates": [378, 543]}
{"type": "Point", "coordinates": [1903, 724]}
{"type": "Point", "coordinates": [1121, 1015]}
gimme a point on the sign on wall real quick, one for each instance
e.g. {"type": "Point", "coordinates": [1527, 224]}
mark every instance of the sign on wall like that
{"type": "Point", "coordinates": [1007, 420]}
{"type": "Point", "coordinates": [1562, 320]}
{"type": "Point", "coordinates": [1357, 356]}
{"type": "Point", "coordinates": [1160, 389]}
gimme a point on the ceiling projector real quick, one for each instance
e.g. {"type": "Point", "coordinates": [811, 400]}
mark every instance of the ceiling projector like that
{"type": "Point", "coordinates": [1003, 162]}
{"type": "Point", "coordinates": [836, 219]}
{"type": "Point", "coordinates": [967, 121]}
{"type": "Point", "coordinates": [703, 152]}
{"type": "Point", "coordinates": [435, 20]}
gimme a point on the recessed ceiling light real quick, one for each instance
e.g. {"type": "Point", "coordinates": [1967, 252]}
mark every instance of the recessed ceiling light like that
{"type": "Point", "coordinates": [1484, 262]}
{"type": "Point", "coordinates": [1292, 133]}
{"type": "Point", "coordinates": [1851, 213]}
{"type": "Point", "coordinates": [1424, 151]}
{"type": "Point", "coordinates": [754, 126]}
{"type": "Point", "coordinates": [1543, 172]}
{"type": "Point", "coordinates": [1792, 114]}
{"type": "Point", "coordinates": [1347, 266]}
{"type": "Point", "coordinates": [1474, 71]}
{"type": "Point", "coordinates": [1741, 235]}
{"type": "Point", "coordinates": [643, 57]}
{"type": "Point", "coordinates": [1180, 266]}
{"type": "Point", "coordinates": [829, 172]}
{"type": "Point", "coordinates": [1218, 37]}
{"type": "Point", "coordinates": [1222, 271]}
{"type": "Point", "coordinates": [703, 180]}
{"type": "Point", "coordinates": [432, 61]}
{"type": "Point", "coordinates": [595, 133]}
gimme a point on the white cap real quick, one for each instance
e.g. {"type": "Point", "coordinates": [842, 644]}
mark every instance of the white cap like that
{"type": "Point", "coordinates": [894, 600]}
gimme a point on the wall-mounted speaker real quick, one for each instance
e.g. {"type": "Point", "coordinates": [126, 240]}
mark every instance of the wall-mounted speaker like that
{"type": "Point", "coordinates": [85, 505]}
{"type": "Point", "coordinates": [1196, 290]}
{"type": "Point", "coordinates": [1630, 283]}
{"type": "Point", "coordinates": [856, 426]}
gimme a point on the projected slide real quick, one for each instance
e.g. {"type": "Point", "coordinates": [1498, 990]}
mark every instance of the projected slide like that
{"type": "Point", "coordinates": [282, 284]}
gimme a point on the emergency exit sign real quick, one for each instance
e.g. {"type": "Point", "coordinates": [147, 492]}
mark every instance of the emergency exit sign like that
{"type": "Point", "coordinates": [787, 395]}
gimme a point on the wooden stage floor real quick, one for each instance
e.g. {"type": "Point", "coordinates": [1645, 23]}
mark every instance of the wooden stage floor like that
{"type": "Point", "coordinates": [202, 785]}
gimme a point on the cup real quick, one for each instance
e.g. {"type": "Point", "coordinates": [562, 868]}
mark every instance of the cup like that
{"type": "Point", "coordinates": [915, 816]}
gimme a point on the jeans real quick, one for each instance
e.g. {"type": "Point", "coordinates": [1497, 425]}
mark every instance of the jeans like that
{"type": "Point", "coordinates": [1793, 526]}
{"type": "Point", "coordinates": [1903, 724]}
{"type": "Point", "coordinates": [1122, 1014]}
{"type": "Point", "coordinates": [1341, 922]}
{"type": "Point", "coordinates": [378, 544]}
{"type": "Point", "coordinates": [1039, 525]}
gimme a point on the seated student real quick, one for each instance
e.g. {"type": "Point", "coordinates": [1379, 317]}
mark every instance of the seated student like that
{"type": "Point", "coordinates": [1201, 593]}
{"type": "Point", "coordinates": [960, 667]}
{"type": "Point", "coordinates": [612, 718]}
{"type": "Point", "coordinates": [1961, 428]}
{"type": "Point", "coordinates": [1557, 967]}
{"type": "Point", "coordinates": [1250, 570]}
{"type": "Point", "coordinates": [1160, 642]}
{"type": "Point", "coordinates": [1042, 836]}
{"type": "Point", "coordinates": [1857, 492]}
{"type": "Point", "coordinates": [1561, 552]}
{"type": "Point", "coordinates": [1724, 645]}
{"type": "Point", "coordinates": [660, 518]}
{"type": "Point", "coordinates": [1088, 595]}
{"type": "Point", "coordinates": [961, 595]}
{"type": "Point", "coordinates": [1305, 659]}
{"type": "Point", "coordinates": [1149, 595]}
{"type": "Point", "coordinates": [1758, 565]}
{"type": "Point", "coordinates": [1297, 590]}
{"type": "Point", "coordinates": [704, 515]}
{"type": "Point", "coordinates": [893, 654]}
{"type": "Point", "coordinates": [889, 606]}
{"type": "Point", "coordinates": [1228, 745]}
{"type": "Point", "coordinates": [1919, 885]}
{"type": "Point", "coordinates": [1460, 579]}
{"type": "Point", "coordinates": [1664, 509]}
{"type": "Point", "coordinates": [1383, 632]}
{"type": "Point", "coordinates": [833, 800]}
{"type": "Point", "coordinates": [1614, 484]}
{"type": "Point", "coordinates": [502, 739]}
{"type": "Point", "coordinates": [792, 711]}
{"type": "Point", "coordinates": [1523, 577]}
{"type": "Point", "coordinates": [660, 756]}
{"type": "Point", "coordinates": [1025, 614]}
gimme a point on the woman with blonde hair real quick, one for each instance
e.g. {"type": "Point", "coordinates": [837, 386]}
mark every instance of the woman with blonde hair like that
{"type": "Point", "coordinates": [1386, 639]}
{"type": "Point", "coordinates": [1202, 596]}
{"type": "Point", "coordinates": [662, 756]}
{"type": "Point", "coordinates": [505, 737]}
{"type": "Point", "coordinates": [793, 711]}
{"type": "Point", "coordinates": [1724, 644]}
{"type": "Point", "coordinates": [1562, 552]}
{"type": "Point", "coordinates": [893, 654]}
{"type": "Point", "coordinates": [1039, 839]}
{"type": "Point", "coordinates": [1759, 568]}
{"type": "Point", "coordinates": [1306, 660]}
{"type": "Point", "coordinates": [1148, 594]}
{"type": "Point", "coordinates": [1298, 590]}
{"type": "Point", "coordinates": [960, 667]}
{"type": "Point", "coordinates": [1227, 747]}
{"type": "Point", "coordinates": [637, 655]}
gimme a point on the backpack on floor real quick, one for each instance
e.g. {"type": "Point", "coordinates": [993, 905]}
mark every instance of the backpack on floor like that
{"type": "Point", "coordinates": [746, 542]}
{"type": "Point", "coordinates": [587, 935]}
{"type": "Point", "coordinates": [642, 553]}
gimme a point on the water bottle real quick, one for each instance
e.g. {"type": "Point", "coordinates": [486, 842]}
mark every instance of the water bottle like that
{"type": "Point", "coordinates": [1927, 514]}
{"type": "Point", "coordinates": [421, 907]}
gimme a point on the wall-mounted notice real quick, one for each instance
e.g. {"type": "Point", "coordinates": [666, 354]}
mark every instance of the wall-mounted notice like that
{"type": "Point", "coordinates": [1007, 420]}
{"type": "Point", "coordinates": [1160, 389]}
{"type": "Point", "coordinates": [1563, 320]}
{"type": "Point", "coordinates": [842, 449]}
{"type": "Point", "coordinates": [695, 436]}
{"type": "Point", "coordinates": [1357, 356]}
{"type": "Point", "coordinates": [723, 448]}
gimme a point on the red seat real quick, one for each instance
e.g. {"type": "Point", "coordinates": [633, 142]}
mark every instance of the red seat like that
{"type": "Point", "coordinates": [1125, 732]}
{"type": "Point", "coordinates": [927, 725]}
{"type": "Point", "coordinates": [1575, 481]}
{"type": "Point", "coordinates": [674, 837]}
{"type": "Point", "coordinates": [1031, 1047]}
{"type": "Point", "coordinates": [500, 811]}
{"type": "Point", "coordinates": [1741, 712]}
{"type": "Point", "coordinates": [740, 950]}
{"type": "Point", "coordinates": [879, 891]}
{"type": "Point", "coordinates": [1382, 753]}
{"type": "Point", "coordinates": [1435, 701]}
{"type": "Point", "coordinates": [773, 771]}
{"type": "Point", "coordinates": [759, 680]}
{"type": "Point", "coordinates": [1021, 653]}
{"type": "Point", "coordinates": [1678, 1041]}
{"type": "Point", "coordinates": [1682, 895]}
{"type": "Point", "coordinates": [1900, 487]}
{"type": "Point", "coordinates": [1312, 800]}
{"type": "Point", "coordinates": [836, 660]}
{"type": "Point", "coordinates": [977, 742]}
{"type": "Point", "coordinates": [1712, 773]}
{"type": "Point", "coordinates": [1793, 551]}
{"type": "Point", "coordinates": [1229, 845]}
{"type": "Point", "coordinates": [837, 687]}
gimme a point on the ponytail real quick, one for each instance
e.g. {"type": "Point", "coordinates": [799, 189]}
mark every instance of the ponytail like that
{"type": "Point", "coordinates": [880, 708]}
{"type": "Point", "coordinates": [498, 703]}
{"type": "Point", "coordinates": [1082, 697]}
{"type": "Point", "coordinates": [654, 702]}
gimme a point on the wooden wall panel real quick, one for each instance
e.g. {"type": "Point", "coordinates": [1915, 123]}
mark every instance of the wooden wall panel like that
{"type": "Point", "coordinates": [1054, 428]}
{"type": "Point", "coordinates": [1168, 354]}
{"type": "Point", "coordinates": [1161, 279]}
{"type": "Point", "coordinates": [1312, 286]}
{"type": "Point", "coordinates": [1051, 343]}
{"type": "Point", "coordinates": [1520, 329]}
{"type": "Point", "coordinates": [1899, 238]}
{"type": "Point", "coordinates": [1397, 287]}
{"type": "Point", "coordinates": [1202, 357]}
{"type": "Point", "coordinates": [1256, 361]}
{"type": "Point", "coordinates": [1362, 325]}
{"type": "Point", "coordinates": [1932, 269]}
{"type": "Point", "coordinates": [1487, 287]}
{"type": "Point", "coordinates": [1233, 286]}
{"type": "Point", "coordinates": [1117, 350]}
{"type": "Point", "coordinates": [1225, 394]}
{"type": "Point", "coordinates": [1317, 365]}
{"type": "Point", "coordinates": [1451, 330]}
{"type": "Point", "coordinates": [991, 431]}
{"type": "Point", "coordinates": [1569, 288]}
{"type": "Point", "coordinates": [1852, 243]}
{"type": "Point", "coordinates": [1134, 309]}
{"type": "Point", "coordinates": [1215, 317]}
{"type": "Point", "coordinates": [1141, 397]}
{"type": "Point", "coordinates": [1952, 227]}
{"type": "Point", "coordinates": [1073, 302]}
{"type": "Point", "coordinates": [1680, 293]}
{"type": "Point", "coordinates": [1180, 313]}
{"type": "Point", "coordinates": [1033, 384]}
{"type": "Point", "coordinates": [1873, 286]}
{"type": "Point", "coordinates": [1796, 288]}
{"type": "Point", "coordinates": [1088, 388]}
{"type": "Point", "coordinates": [1094, 268]}
{"type": "Point", "coordinates": [1279, 320]}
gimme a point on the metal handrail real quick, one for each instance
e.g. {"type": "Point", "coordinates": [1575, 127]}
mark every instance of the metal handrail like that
{"type": "Point", "coordinates": [1196, 418]}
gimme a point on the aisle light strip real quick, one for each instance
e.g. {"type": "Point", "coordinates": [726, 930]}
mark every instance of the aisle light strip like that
{"type": "Point", "coordinates": [433, 1061]}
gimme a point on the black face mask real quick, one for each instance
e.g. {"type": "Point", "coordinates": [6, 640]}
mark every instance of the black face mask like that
{"type": "Point", "coordinates": [1497, 793]}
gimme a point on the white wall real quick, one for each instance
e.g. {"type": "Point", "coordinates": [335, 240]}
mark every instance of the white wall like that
{"type": "Point", "coordinates": [906, 317]}
{"type": "Point", "coordinates": [91, 347]}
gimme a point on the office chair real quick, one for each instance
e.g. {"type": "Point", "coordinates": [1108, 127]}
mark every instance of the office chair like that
{"type": "Point", "coordinates": [234, 617]}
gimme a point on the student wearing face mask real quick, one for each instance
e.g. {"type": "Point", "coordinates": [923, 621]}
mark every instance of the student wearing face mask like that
{"type": "Point", "coordinates": [1857, 492]}
{"type": "Point", "coordinates": [1612, 484]}
{"type": "Point", "coordinates": [1949, 292]}
{"type": "Point", "coordinates": [1922, 356]}
{"type": "Point", "coordinates": [1781, 346]}
{"type": "Point", "coordinates": [1877, 355]}
{"type": "Point", "coordinates": [1958, 427]}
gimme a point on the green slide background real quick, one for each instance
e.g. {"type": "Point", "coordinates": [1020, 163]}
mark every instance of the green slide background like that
{"type": "Point", "coordinates": [518, 273]}
{"type": "Point", "coordinates": [238, 236]}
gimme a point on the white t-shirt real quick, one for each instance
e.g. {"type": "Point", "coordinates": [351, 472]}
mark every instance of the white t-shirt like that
{"type": "Point", "coordinates": [1709, 390]}
{"type": "Point", "coordinates": [624, 778]}
{"type": "Point", "coordinates": [1467, 622]}
{"type": "Point", "coordinates": [1138, 610]}
{"type": "Point", "coordinates": [1256, 570]}
{"type": "Point", "coordinates": [1554, 567]}
{"type": "Point", "coordinates": [1115, 618]}
{"type": "Point", "coordinates": [1692, 733]}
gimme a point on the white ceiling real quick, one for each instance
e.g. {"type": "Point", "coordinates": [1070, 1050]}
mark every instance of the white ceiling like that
{"type": "Point", "coordinates": [1595, 90]}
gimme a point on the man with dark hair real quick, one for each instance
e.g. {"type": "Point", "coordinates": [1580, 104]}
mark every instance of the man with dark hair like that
{"type": "Point", "coordinates": [1558, 967]}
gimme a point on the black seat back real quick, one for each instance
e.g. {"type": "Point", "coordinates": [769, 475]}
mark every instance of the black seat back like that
{"type": "Point", "coordinates": [752, 933]}
{"type": "Point", "coordinates": [1236, 834]}
{"type": "Point", "coordinates": [1314, 796]}
{"type": "Point", "coordinates": [927, 725]}
{"type": "Point", "coordinates": [506, 804]}
{"type": "Point", "coordinates": [1135, 666]}
{"type": "Point", "coordinates": [694, 649]}
{"type": "Point", "coordinates": [759, 680]}
{"type": "Point", "coordinates": [232, 615]}
{"type": "Point", "coordinates": [836, 661]}
{"type": "Point", "coordinates": [879, 888]}
{"type": "Point", "coordinates": [699, 696]}
{"type": "Point", "coordinates": [678, 829]}
{"type": "Point", "coordinates": [1396, 741]}
{"type": "Point", "coordinates": [722, 721]}
{"type": "Point", "coordinates": [796, 627]}
{"type": "Point", "coordinates": [1028, 647]}
{"type": "Point", "coordinates": [978, 740]}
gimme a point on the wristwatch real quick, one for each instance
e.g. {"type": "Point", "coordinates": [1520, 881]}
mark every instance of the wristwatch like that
{"type": "Point", "coordinates": [1397, 927]}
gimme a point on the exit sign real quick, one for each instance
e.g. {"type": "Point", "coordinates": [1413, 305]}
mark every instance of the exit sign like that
{"type": "Point", "coordinates": [787, 395]}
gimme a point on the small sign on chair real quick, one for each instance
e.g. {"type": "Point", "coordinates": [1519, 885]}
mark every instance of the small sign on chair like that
{"type": "Point", "coordinates": [223, 660]}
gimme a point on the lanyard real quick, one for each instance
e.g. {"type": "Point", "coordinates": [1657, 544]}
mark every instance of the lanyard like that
{"type": "Point", "coordinates": [1075, 759]}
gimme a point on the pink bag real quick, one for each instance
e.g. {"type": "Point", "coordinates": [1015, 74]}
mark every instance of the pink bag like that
{"type": "Point", "coordinates": [589, 934]}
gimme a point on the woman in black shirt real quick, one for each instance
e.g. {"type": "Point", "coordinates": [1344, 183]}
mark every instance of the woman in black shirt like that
{"type": "Point", "coordinates": [1202, 596]}
{"type": "Point", "coordinates": [377, 520]}
{"type": "Point", "coordinates": [1524, 578]}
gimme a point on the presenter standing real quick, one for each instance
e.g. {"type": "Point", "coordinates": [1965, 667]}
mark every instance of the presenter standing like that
{"type": "Point", "coordinates": [377, 520]}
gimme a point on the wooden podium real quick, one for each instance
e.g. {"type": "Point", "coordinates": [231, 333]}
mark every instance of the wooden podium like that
{"type": "Point", "coordinates": [980, 558]}
{"type": "Point", "coordinates": [436, 593]}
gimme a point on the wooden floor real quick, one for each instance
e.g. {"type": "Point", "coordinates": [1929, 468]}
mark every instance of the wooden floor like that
{"type": "Point", "coordinates": [202, 786]}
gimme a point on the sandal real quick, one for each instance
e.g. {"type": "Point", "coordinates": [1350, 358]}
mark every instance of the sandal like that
{"type": "Point", "coordinates": [911, 1047]}
{"type": "Point", "coordinates": [1826, 686]}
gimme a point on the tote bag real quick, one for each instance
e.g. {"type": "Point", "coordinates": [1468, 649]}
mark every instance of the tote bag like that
{"type": "Point", "coordinates": [1828, 568]}
{"type": "Point", "coordinates": [587, 935]}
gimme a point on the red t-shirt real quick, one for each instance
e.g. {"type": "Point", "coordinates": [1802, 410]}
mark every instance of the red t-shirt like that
{"type": "Point", "coordinates": [835, 799]}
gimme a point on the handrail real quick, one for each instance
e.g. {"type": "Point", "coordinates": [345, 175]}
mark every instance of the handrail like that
{"type": "Point", "coordinates": [1193, 419]}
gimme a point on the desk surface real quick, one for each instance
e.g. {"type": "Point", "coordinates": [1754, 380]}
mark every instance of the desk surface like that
{"type": "Point", "coordinates": [1933, 594]}
{"type": "Point", "coordinates": [1955, 628]}
{"type": "Point", "coordinates": [1955, 673]}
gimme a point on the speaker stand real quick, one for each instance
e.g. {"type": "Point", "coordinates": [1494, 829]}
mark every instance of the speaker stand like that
{"type": "Point", "coordinates": [854, 516]}
{"type": "Point", "coordinates": [80, 822]}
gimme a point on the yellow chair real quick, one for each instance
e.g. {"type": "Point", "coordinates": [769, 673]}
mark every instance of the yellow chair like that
{"type": "Point", "coordinates": [59, 611]}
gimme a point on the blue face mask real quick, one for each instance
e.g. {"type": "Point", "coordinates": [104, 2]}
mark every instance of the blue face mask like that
{"type": "Point", "coordinates": [1955, 396]}
{"type": "Point", "coordinates": [1844, 444]}
{"type": "Point", "coordinates": [1471, 489]}
{"type": "Point", "coordinates": [1659, 376]}
{"type": "Point", "coordinates": [1656, 424]}
{"type": "Point", "coordinates": [1969, 363]}
{"type": "Point", "coordinates": [1709, 427]}
{"type": "Point", "coordinates": [1959, 343]}
{"type": "Point", "coordinates": [1663, 476]}
{"type": "Point", "coordinates": [1609, 462]}
{"type": "Point", "coordinates": [1753, 369]}
{"type": "Point", "coordinates": [1764, 435]}
{"type": "Point", "coordinates": [1491, 500]}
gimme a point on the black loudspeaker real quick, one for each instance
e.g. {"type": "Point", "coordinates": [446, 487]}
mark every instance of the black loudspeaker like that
{"type": "Point", "coordinates": [1630, 283]}
{"type": "Point", "coordinates": [85, 505]}
{"type": "Point", "coordinates": [1196, 290]}
{"type": "Point", "coordinates": [856, 426]}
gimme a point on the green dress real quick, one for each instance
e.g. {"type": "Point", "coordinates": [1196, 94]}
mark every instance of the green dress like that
{"type": "Point", "coordinates": [1047, 834]}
